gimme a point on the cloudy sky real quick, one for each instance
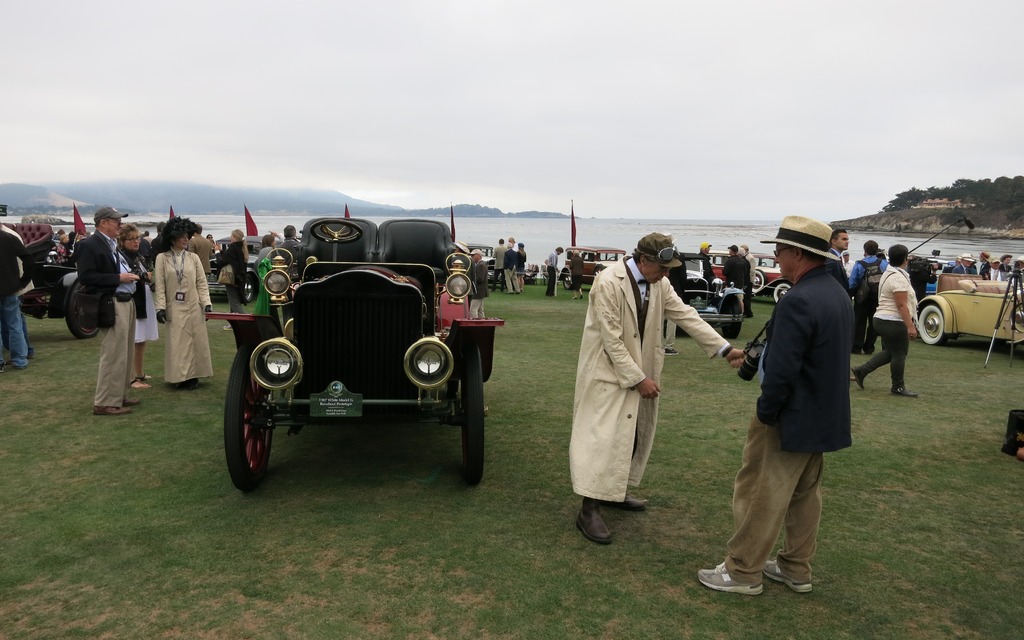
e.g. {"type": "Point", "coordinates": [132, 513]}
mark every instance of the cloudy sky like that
{"type": "Point", "coordinates": [746, 109]}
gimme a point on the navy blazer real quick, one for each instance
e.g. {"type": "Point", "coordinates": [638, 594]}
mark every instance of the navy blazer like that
{"type": "Point", "coordinates": [97, 268]}
{"type": "Point", "coordinates": [805, 388]}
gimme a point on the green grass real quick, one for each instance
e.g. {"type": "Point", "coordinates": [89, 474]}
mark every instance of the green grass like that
{"type": "Point", "coordinates": [118, 527]}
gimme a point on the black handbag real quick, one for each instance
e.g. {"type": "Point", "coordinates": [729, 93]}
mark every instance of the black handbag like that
{"type": "Point", "coordinates": [95, 310]}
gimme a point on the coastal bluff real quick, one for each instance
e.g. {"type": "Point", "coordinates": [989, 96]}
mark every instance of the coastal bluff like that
{"type": "Point", "coordinates": [987, 223]}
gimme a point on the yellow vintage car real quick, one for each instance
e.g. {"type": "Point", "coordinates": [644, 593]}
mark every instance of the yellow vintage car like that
{"type": "Point", "coordinates": [968, 305]}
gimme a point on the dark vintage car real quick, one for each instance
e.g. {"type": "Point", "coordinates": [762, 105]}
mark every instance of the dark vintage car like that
{"type": "Point", "coordinates": [55, 287]}
{"type": "Point", "coordinates": [719, 305]}
{"type": "Point", "coordinates": [252, 283]}
{"type": "Point", "coordinates": [376, 329]}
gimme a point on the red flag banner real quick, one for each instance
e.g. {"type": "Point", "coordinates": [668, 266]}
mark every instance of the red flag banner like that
{"type": "Point", "coordinates": [172, 211]}
{"type": "Point", "coordinates": [453, 222]}
{"type": "Point", "coordinates": [572, 221]}
{"type": "Point", "coordinates": [79, 225]}
{"type": "Point", "coordinates": [250, 224]}
{"type": "Point", "coordinates": [346, 211]}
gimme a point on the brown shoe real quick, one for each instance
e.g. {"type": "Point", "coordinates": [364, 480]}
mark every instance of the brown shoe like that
{"type": "Point", "coordinates": [629, 504]}
{"type": "Point", "coordinates": [130, 403]}
{"type": "Point", "coordinates": [591, 525]}
{"type": "Point", "coordinates": [110, 411]}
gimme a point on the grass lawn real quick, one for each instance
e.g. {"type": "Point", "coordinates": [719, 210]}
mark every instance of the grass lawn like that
{"type": "Point", "coordinates": [129, 527]}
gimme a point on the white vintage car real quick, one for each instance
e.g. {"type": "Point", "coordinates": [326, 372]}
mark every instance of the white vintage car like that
{"type": "Point", "coordinates": [968, 305]}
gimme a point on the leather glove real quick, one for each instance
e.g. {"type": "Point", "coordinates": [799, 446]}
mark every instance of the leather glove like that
{"type": "Point", "coordinates": [208, 308]}
{"type": "Point", "coordinates": [161, 316]}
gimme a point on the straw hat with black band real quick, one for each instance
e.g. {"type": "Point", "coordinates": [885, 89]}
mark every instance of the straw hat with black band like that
{"type": "Point", "coordinates": [806, 233]}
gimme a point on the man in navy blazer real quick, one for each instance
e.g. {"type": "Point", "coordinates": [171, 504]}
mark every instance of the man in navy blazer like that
{"type": "Point", "coordinates": [102, 268]}
{"type": "Point", "coordinates": [803, 411]}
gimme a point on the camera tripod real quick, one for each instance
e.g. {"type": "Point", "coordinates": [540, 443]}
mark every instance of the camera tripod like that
{"type": "Point", "coordinates": [1013, 301]}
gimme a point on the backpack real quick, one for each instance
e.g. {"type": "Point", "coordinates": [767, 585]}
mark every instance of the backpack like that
{"type": "Point", "coordinates": [867, 290]}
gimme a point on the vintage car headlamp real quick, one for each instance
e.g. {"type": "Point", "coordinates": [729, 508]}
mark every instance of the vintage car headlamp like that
{"type": "Point", "coordinates": [429, 363]}
{"type": "Point", "coordinates": [276, 364]}
{"type": "Point", "coordinates": [276, 282]}
{"type": "Point", "coordinates": [458, 286]}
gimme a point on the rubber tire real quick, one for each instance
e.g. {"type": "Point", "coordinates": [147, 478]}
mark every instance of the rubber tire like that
{"type": "Point", "coordinates": [760, 280]}
{"type": "Point", "coordinates": [247, 450]}
{"type": "Point", "coordinates": [932, 325]}
{"type": "Point", "coordinates": [731, 329]}
{"type": "Point", "coordinates": [566, 279]}
{"type": "Point", "coordinates": [251, 289]}
{"type": "Point", "coordinates": [71, 314]}
{"type": "Point", "coordinates": [472, 401]}
{"type": "Point", "coordinates": [780, 289]}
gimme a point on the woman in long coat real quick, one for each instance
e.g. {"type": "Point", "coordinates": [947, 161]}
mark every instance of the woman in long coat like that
{"type": "Point", "coordinates": [181, 297]}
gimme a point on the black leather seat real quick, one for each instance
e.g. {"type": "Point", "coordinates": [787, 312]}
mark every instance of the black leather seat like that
{"type": "Point", "coordinates": [426, 242]}
{"type": "Point", "coordinates": [338, 240]}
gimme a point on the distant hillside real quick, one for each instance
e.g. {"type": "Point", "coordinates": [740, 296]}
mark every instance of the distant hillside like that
{"type": "Point", "coordinates": [195, 199]}
{"type": "Point", "coordinates": [996, 207]}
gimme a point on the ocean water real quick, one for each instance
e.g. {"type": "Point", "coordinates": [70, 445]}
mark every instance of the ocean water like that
{"type": "Point", "coordinates": [541, 235]}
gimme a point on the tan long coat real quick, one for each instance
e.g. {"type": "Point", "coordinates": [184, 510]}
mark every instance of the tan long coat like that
{"type": "Point", "coordinates": [607, 411]}
{"type": "Point", "coordinates": [188, 344]}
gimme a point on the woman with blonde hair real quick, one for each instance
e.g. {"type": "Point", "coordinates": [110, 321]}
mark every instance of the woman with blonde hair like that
{"type": "Point", "coordinates": [128, 240]}
{"type": "Point", "coordinates": [237, 256]}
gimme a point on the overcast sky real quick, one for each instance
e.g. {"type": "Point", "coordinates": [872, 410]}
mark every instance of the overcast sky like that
{"type": "Point", "coordinates": [722, 109]}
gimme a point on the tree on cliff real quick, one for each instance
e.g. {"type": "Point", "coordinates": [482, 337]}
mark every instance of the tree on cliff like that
{"type": "Point", "coordinates": [1002, 193]}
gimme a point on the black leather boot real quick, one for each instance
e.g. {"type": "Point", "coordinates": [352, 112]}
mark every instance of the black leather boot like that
{"type": "Point", "coordinates": [903, 391]}
{"type": "Point", "coordinates": [590, 523]}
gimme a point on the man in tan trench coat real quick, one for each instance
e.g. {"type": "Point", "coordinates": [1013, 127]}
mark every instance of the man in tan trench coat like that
{"type": "Point", "coordinates": [618, 378]}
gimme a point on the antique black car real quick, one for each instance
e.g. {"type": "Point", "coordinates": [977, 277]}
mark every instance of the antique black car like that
{"type": "Point", "coordinates": [55, 287]}
{"type": "Point", "coordinates": [375, 329]}
{"type": "Point", "coordinates": [719, 305]}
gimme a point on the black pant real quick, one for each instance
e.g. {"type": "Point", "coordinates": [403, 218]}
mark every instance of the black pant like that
{"type": "Point", "coordinates": [748, 297]}
{"type": "Point", "coordinates": [895, 345]}
{"type": "Point", "coordinates": [864, 334]}
{"type": "Point", "coordinates": [551, 280]}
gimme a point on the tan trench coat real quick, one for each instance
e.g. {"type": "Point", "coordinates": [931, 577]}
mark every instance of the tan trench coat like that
{"type": "Point", "coordinates": [607, 411]}
{"type": "Point", "coordinates": [188, 344]}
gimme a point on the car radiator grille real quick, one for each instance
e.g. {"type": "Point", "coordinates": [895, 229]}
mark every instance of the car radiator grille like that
{"type": "Point", "coordinates": [360, 340]}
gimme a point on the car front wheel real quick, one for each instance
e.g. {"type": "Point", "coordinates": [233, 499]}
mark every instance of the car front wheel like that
{"type": "Point", "coordinates": [251, 288]}
{"type": "Point", "coordinates": [932, 325]}
{"type": "Point", "coordinates": [246, 443]}
{"type": "Point", "coordinates": [473, 420]}
{"type": "Point", "coordinates": [731, 306]}
{"type": "Point", "coordinates": [758, 282]}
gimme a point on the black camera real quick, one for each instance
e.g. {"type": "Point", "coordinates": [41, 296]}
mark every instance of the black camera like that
{"type": "Point", "coordinates": [751, 358]}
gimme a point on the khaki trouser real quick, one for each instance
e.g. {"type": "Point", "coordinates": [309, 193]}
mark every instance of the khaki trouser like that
{"type": "Point", "coordinates": [511, 281]}
{"type": "Point", "coordinates": [774, 488]}
{"type": "Point", "coordinates": [116, 352]}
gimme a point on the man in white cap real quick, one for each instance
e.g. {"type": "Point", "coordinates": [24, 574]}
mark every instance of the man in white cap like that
{"type": "Point", "coordinates": [618, 378]}
{"type": "Point", "coordinates": [802, 412]}
{"type": "Point", "coordinates": [965, 265]}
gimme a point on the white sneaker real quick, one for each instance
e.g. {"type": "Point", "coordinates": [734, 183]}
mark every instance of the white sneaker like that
{"type": "Point", "coordinates": [773, 572]}
{"type": "Point", "coordinates": [227, 327]}
{"type": "Point", "coordinates": [720, 580]}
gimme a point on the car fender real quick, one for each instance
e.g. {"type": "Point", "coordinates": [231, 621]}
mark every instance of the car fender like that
{"type": "Point", "coordinates": [59, 295]}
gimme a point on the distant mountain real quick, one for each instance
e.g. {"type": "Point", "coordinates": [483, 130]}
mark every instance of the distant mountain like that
{"type": "Point", "coordinates": [194, 199]}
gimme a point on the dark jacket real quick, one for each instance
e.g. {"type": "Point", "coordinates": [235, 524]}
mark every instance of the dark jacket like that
{"type": "Point", "coordinates": [97, 268]}
{"type": "Point", "coordinates": [139, 268]}
{"type": "Point", "coordinates": [235, 257]}
{"type": "Point", "coordinates": [737, 271]}
{"type": "Point", "coordinates": [837, 271]}
{"type": "Point", "coordinates": [11, 251]}
{"type": "Point", "coordinates": [805, 390]}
